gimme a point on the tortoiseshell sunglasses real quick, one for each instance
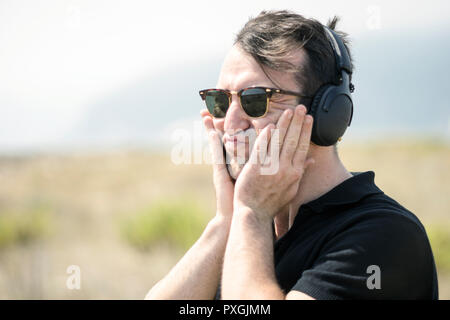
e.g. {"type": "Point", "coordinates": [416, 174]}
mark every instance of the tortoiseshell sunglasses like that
{"type": "Point", "coordinates": [254, 100]}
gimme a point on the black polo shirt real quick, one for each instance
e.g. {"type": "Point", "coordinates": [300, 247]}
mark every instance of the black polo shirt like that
{"type": "Point", "coordinates": [355, 242]}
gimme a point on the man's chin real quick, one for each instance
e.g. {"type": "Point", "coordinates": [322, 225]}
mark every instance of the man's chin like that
{"type": "Point", "coordinates": [234, 168]}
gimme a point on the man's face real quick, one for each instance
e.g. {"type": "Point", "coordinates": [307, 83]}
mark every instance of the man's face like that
{"type": "Point", "coordinates": [240, 70]}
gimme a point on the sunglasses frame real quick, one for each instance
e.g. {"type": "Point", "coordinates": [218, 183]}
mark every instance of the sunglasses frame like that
{"type": "Point", "coordinates": [268, 91]}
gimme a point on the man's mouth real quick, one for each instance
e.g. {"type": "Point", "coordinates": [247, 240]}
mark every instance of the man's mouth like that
{"type": "Point", "coordinates": [234, 138]}
{"type": "Point", "coordinates": [236, 145]}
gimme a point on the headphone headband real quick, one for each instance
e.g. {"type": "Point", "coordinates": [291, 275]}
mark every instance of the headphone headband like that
{"type": "Point", "coordinates": [332, 106]}
{"type": "Point", "coordinates": [340, 52]}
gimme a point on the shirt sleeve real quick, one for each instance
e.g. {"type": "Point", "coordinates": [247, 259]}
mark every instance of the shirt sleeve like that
{"type": "Point", "coordinates": [383, 256]}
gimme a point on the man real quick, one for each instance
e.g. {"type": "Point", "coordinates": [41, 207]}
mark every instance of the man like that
{"type": "Point", "coordinates": [310, 229]}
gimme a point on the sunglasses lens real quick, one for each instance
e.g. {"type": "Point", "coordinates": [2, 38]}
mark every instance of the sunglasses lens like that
{"type": "Point", "coordinates": [254, 102]}
{"type": "Point", "coordinates": [217, 103]}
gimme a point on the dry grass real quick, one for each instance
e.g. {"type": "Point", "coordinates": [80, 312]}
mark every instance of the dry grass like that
{"type": "Point", "coordinates": [88, 195]}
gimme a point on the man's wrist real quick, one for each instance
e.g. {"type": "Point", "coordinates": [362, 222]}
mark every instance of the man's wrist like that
{"type": "Point", "coordinates": [249, 215]}
{"type": "Point", "coordinates": [220, 220]}
{"type": "Point", "coordinates": [218, 225]}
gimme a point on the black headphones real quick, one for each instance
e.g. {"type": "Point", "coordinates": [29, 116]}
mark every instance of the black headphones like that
{"type": "Point", "coordinates": [332, 105]}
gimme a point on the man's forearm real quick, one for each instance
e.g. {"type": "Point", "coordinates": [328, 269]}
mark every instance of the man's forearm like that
{"type": "Point", "coordinates": [248, 271]}
{"type": "Point", "coordinates": [197, 274]}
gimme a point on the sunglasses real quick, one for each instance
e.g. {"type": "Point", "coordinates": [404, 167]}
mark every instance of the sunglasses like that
{"type": "Point", "coordinates": [254, 101]}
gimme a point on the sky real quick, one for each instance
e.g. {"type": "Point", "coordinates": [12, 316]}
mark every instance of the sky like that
{"type": "Point", "coordinates": [58, 58]}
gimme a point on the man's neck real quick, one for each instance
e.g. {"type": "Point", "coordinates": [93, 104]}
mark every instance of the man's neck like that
{"type": "Point", "coordinates": [326, 173]}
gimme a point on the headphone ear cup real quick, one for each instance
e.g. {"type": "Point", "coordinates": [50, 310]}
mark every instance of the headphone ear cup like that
{"type": "Point", "coordinates": [332, 116]}
{"type": "Point", "coordinates": [313, 110]}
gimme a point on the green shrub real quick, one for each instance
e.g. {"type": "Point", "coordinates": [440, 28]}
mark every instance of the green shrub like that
{"type": "Point", "coordinates": [439, 236]}
{"type": "Point", "coordinates": [23, 227]}
{"type": "Point", "coordinates": [178, 224]}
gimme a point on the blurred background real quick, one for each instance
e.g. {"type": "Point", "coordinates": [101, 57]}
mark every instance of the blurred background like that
{"type": "Point", "coordinates": [94, 95]}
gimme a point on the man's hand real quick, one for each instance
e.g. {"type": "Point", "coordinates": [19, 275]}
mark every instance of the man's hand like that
{"type": "Point", "coordinates": [197, 274]}
{"type": "Point", "coordinates": [223, 184]}
{"type": "Point", "coordinates": [266, 194]}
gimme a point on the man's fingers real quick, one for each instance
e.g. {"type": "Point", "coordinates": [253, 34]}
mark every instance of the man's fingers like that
{"type": "Point", "coordinates": [303, 144]}
{"type": "Point", "coordinates": [215, 142]}
{"type": "Point", "coordinates": [206, 116]}
{"type": "Point", "coordinates": [204, 112]}
{"type": "Point", "coordinates": [282, 126]}
{"type": "Point", "coordinates": [259, 151]}
{"type": "Point", "coordinates": [292, 135]}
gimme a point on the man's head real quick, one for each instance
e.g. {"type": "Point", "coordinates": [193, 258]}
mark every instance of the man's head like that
{"type": "Point", "coordinates": [277, 49]}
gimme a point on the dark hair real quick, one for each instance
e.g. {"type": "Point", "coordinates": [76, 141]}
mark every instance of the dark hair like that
{"type": "Point", "coordinates": [274, 35]}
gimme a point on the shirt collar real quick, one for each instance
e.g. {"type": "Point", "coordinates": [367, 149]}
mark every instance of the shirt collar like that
{"type": "Point", "coordinates": [350, 191]}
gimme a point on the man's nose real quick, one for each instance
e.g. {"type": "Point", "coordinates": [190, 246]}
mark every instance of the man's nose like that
{"type": "Point", "coordinates": [236, 119]}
